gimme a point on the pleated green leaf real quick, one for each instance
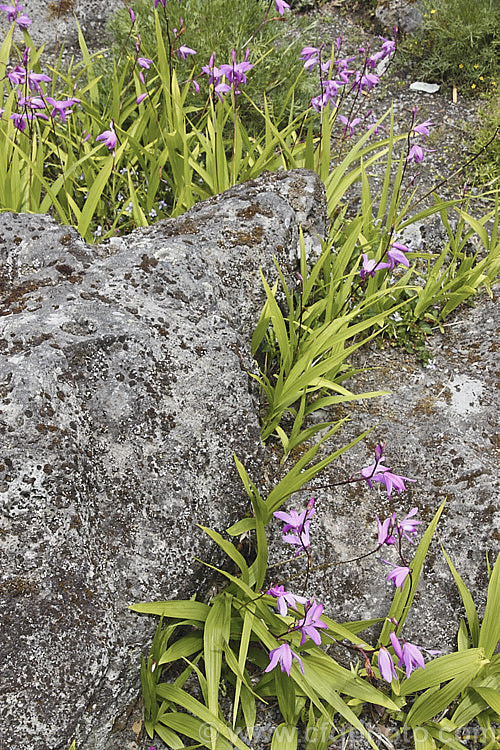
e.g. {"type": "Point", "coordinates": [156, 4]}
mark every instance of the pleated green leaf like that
{"type": "Point", "coordinates": [423, 739]}
{"type": "Point", "coordinates": [199, 710]}
{"type": "Point", "coordinates": [489, 635]}
{"type": "Point", "coordinates": [434, 700]}
{"type": "Point", "coordinates": [171, 739]}
{"type": "Point", "coordinates": [184, 609]}
{"type": "Point", "coordinates": [248, 617]}
{"type": "Point", "coordinates": [185, 646]}
{"type": "Point", "coordinates": [470, 608]}
{"type": "Point", "coordinates": [190, 726]}
{"type": "Point", "coordinates": [284, 737]}
{"type": "Point", "coordinates": [229, 549]}
{"type": "Point", "coordinates": [215, 633]}
{"type": "Point", "coordinates": [341, 680]}
{"type": "Point", "coordinates": [241, 527]}
{"type": "Point", "coordinates": [249, 707]}
{"type": "Point", "coordinates": [491, 696]}
{"type": "Point", "coordinates": [469, 707]}
{"type": "Point", "coordinates": [444, 668]}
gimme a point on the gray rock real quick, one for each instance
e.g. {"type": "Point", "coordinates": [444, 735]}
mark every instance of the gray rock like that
{"type": "Point", "coordinates": [55, 21]}
{"type": "Point", "coordinates": [125, 392]}
{"type": "Point", "coordinates": [405, 14]}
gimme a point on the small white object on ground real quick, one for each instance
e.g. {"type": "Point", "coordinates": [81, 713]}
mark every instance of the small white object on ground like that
{"type": "Point", "coordinates": [428, 88]}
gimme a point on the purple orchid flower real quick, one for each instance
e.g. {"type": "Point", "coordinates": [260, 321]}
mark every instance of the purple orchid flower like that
{"type": "Point", "coordinates": [144, 62]}
{"type": "Point", "coordinates": [408, 655]}
{"type": "Point", "coordinates": [20, 121]}
{"type": "Point", "coordinates": [12, 11]}
{"type": "Point", "coordinates": [378, 473]}
{"type": "Point", "coordinates": [423, 128]}
{"type": "Point", "coordinates": [408, 526]}
{"type": "Point", "coordinates": [386, 665]}
{"type": "Point", "coordinates": [379, 451]}
{"type": "Point", "coordinates": [392, 481]}
{"type": "Point", "coordinates": [366, 81]}
{"type": "Point", "coordinates": [311, 621]}
{"type": "Point", "coordinates": [349, 124]}
{"type": "Point", "coordinates": [212, 71]}
{"type": "Point", "coordinates": [184, 51]}
{"type": "Point", "coordinates": [294, 520]}
{"type": "Point", "coordinates": [35, 79]}
{"type": "Point", "coordinates": [285, 599]}
{"type": "Point", "coordinates": [235, 72]}
{"type": "Point", "coordinates": [109, 137]}
{"type": "Point", "coordinates": [416, 154]}
{"type": "Point", "coordinates": [61, 107]}
{"type": "Point", "coordinates": [396, 255]}
{"type": "Point", "coordinates": [299, 538]}
{"type": "Point", "coordinates": [281, 6]}
{"type": "Point", "coordinates": [370, 266]}
{"type": "Point", "coordinates": [23, 21]}
{"type": "Point", "coordinates": [17, 75]}
{"type": "Point", "coordinates": [284, 656]}
{"type": "Point", "coordinates": [388, 46]}
{"type": "Point", "coordinates": [298, 524]}
{"type": "Point", "coordinates": [329, 95]}
{"type": "Point", "coordinates": [384, 530]}
{"type": "Point", "coordinates": [310, 56]}
{"type": "Point", "coordinates": [398, 575]}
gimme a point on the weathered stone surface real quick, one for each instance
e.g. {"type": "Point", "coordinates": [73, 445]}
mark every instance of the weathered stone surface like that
{"type": "Point", "coordinates": [124, 393]}
{"type": "Point", "coordinates": [54, 22]}
{"type": "Point", "coordinates": [405, 14]}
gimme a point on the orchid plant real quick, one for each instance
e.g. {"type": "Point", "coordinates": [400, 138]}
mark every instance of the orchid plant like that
{"type": "Point", "coordinates": [267, 642]}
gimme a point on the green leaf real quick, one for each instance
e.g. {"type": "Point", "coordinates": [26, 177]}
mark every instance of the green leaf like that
{"type": "Point", "coordinates": [470, 608]}
{"type": "Point", "coordinates": [248, 616]}
{"type": "Point", "coordinates": [229, 549]}
{"type": "Point", "coordinates": [201, 712]}
{"type": "Point", "coordinates": [423, 739]}
{"type": "Point", "coordinates": [324, 671]}
{"type": "Point", "coordinates": [491, 696]}
{"type": "Point", "coordinates": [489, 634]}
{"type": "Point", "coordinates": [215, 634]}
{"type": "Point", "coordinates": [249, 707]}
{"type": "Point", "coordinates": [258, 568]}
{"type": "Point", "coordinates": [185, 646]}
{"type": "Point", "coordinates": [242, 527]}
{"type": "Point", "coordinates": [95, 193]}
{"type": "Point", "coordinates": [167, 735]}
{"type": "Point", "coordinates": [181, 608]}
{"type": "Point", "coordinates": [301, 473]}
{"type": "Point", "coordinates": [469, 707]}
{"type": "Point", "coordinates": [285, 693]}
{"type": "Point", "coordinates": [444, 668]}
{"type": "Point", "coordinates": [191, 726]}
{"type": "Point", "coordinates": [284, 737]}
{"type": "Point", "coordinates": [433, 701]}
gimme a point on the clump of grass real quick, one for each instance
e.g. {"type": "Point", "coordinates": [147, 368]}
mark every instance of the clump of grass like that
{"type": "Point", "coordinates": [486, 169]}
{"type": "Point", "coordinates": [459, 44]}
{"type": "Point", "coordinates": [207, 27]}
